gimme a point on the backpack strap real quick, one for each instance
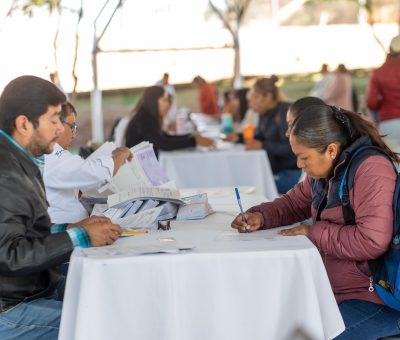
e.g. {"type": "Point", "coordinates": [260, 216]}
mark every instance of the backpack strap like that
{"type": "Point", "coordinates": [344, 191]}
{"type": "Point", "coordinates": [348, 212]}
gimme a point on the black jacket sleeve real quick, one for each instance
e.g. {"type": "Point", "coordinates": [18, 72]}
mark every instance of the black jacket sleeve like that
{"type": "Point", "coordinates": [26, 244]}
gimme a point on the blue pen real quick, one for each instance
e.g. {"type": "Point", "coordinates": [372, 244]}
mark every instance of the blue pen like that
{"type": "Point", "coordinates": [244, 219]}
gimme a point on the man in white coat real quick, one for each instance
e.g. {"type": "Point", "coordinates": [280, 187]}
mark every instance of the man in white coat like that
{"type": "Point", "coordinates": [65, 174]}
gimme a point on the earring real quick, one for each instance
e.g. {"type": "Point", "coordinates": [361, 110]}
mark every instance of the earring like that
{"type": "Point", "coordinates": [333, 156]}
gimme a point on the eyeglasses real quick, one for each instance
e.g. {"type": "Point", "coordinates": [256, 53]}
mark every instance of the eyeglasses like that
{"type": "Point", "coordinates": [72, 126]}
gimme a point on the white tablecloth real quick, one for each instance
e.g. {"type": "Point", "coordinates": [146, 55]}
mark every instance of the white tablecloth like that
{"type": "Point", "coordinates": [231, 286]}
{"type": "Point", "coordinates": [220, 168]}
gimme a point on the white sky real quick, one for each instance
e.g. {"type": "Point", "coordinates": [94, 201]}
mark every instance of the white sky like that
{"type": "Point", "coordinates": [26, 45]}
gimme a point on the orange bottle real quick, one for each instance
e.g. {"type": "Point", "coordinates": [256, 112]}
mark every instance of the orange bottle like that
{"type": "Point", "coordinates": [248, 132]}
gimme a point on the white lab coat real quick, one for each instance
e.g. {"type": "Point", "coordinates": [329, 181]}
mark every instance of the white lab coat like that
{"type": "Point", "coordinates": [64, 175]}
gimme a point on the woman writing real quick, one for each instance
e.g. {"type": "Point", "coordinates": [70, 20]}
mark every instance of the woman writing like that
{"type": "Point", "coordinates": [323, 138]}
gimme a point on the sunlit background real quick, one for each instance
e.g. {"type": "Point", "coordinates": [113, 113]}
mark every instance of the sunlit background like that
{"type": "Point", "coordinates": [281, 37]}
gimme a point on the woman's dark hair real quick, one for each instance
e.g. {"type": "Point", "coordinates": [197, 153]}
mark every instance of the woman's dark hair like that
{"type": "Point", "coordinates": [148, 104]}
{"type": "Point", "coordinates": [29, 96]}
{"type": "Point", "coordinates": [241, 94]}
{"type": "Point", "coordinates": [146, 110]}
{"type": "Point", "coordinates": [267, 85]}
{"type": "Point", "coordinates": [320, 125]}
{"type": "Point", "coordinates": [66, 109]}
{"type": "Point", "coordinates": [300, 104]}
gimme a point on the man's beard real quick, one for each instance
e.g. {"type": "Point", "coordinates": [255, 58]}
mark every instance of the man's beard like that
{"type": "Point", "coordinates": [37, 147]}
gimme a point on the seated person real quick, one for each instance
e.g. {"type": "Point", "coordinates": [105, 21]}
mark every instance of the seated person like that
{"type": "Point", "coordinates": [323, 139]}
{"type": "Point", "coordinates": [30, 247]}
{"type": "Point", "coordinates": [297, 107]}
{"type": "Point", "coordinates": [147, 121]}
{"type": "Point", "coordinates": [66, 174]}
{"type": "Point", "coordinates": [235, 103]}
{"type": "Point", "coordinates": [270, 134]}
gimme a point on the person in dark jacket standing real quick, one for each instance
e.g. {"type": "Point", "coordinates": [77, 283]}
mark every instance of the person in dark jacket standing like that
{"type": "Point", "coordinates": [147, 120]}
{"type": "Point", "coordinates": [31, 247]}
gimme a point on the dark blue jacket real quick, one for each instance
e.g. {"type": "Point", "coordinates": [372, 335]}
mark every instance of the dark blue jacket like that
{"type": "Point", "coordinates": [271, 131]}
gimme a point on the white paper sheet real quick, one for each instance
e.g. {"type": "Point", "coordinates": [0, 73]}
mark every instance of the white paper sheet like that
{"type": "Point", "coordinates": [105, 149]}
{"type": "Point", "coordinates": [151, 167]}
{"type": "Point", "coordinates": [143, 193]}
{"type": "Point", "coordinates": [135, 250]}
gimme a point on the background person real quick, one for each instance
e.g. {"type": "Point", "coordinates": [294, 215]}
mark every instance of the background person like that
{"type": "Point", "coordinates": [147, 122]}
{"type": "Point", "coordinates": [323, 139]}
{"type": "Point", "coordinates": [297, 107]}
{"type": "Point", "coordinates": [270, 133]}
{"type": "Point", "coordinates": [169, 122]}
{"type": "Point", "coordinates": [383, 95]}
{"type": "Point", "coordinates": [320, 86]}
{"type": "Point", "coordinates": [66, 174]}
{"type": "Point", "coordinates": [30, 247]}
{"type": "Point", "coordinates": [339, 91]}
{"type": "Point", "coordinates": [207, 96]}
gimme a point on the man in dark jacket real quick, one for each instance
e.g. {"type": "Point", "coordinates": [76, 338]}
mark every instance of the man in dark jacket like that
{"type": "Point", "coordinates": [31, 290]}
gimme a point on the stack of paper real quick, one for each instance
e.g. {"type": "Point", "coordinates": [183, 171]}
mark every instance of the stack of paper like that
{"type": "Point", "coordinates": [141, 194]}
{"type": "Point", "coordinates": [144, 193]}
{"type": "Point", "coordinates": [195, 208]}
{"type": "Point", "coordinates": [142, 220]}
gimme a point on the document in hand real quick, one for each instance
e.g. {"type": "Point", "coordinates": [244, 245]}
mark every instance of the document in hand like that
{"type": "Point", "coordinates": [144, 170]}
{"type": "Point", "coordinates": [195, 208]}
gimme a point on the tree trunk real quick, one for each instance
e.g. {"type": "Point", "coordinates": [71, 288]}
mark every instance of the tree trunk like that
{"type": "Point", "coordinates": [237, 77]}
{"type": "Point", "coordinates": [74, 75]}
{"type": "Point", "coordinates": [55, 40]}
{"type": "Point", "coordinates": [371, 22]}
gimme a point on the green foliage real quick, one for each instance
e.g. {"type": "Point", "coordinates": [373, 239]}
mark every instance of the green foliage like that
{"type": "Point", "coordinates": [28, 6]}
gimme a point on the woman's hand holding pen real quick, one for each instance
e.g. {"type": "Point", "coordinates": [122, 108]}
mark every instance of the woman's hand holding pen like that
{"type": "Point", "coordinates": [255, 221]}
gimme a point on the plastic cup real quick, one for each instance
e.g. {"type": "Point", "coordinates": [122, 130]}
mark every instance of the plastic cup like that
{"type": "Point", "coordinates": [248, 132]}
{"type": "Point", "coordinates": [227, 123]}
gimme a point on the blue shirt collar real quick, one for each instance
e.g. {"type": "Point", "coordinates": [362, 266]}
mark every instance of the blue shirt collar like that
{"type": "Point", "coordinates": [18, 146]}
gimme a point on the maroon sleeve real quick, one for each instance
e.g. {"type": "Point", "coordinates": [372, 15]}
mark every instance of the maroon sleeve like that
{"type": "Point", "coordinates": [371, 198]}
{"type": "Point", "coordinates": [294, 206]}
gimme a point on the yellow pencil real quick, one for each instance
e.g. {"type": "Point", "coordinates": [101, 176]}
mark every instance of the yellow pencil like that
{"type": "Point", "coordinates": [134, 232]}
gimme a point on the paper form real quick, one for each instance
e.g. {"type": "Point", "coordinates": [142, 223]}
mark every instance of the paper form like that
{"type": "Point", "coordinates": [151, 166]}
{"type": "Point", "coordinates": [131, 173]}
{"type": "Point", "coordinates": [130, 250]}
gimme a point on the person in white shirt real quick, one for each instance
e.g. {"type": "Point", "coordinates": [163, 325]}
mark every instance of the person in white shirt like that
{"type": "Point", "coordinates": [66, 174]}
{"type": "Point", "coordinates": [170, 120]}
{"type": "Point", "coordinates": [321, 86]}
